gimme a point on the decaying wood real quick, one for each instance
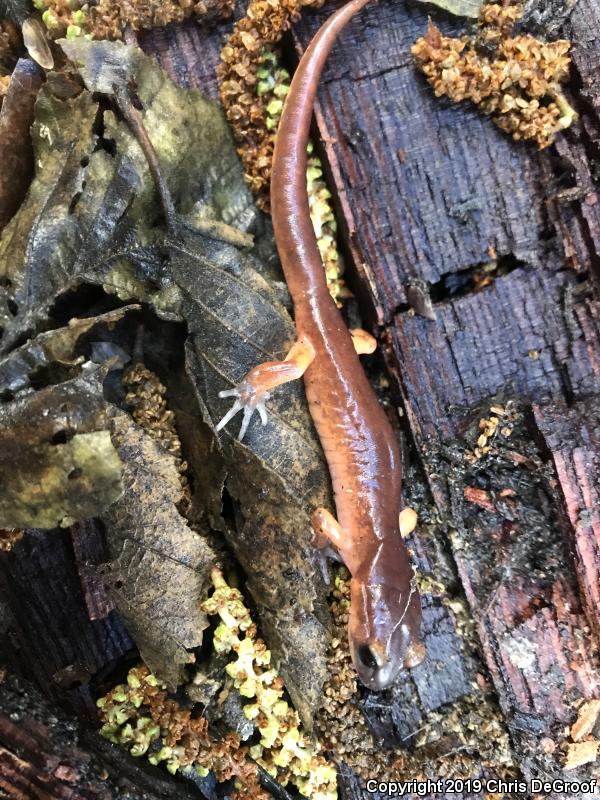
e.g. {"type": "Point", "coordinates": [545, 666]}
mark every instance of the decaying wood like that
{"type": "Point", "coordinates": [89, 550]}
{"type": "Point", "coordinates": [431, 191]}
{"type": "Point", "coordinates": [453, 193]}
{"type": "Point", "coordinates": [49, 637]}
{"type": "Point", "coordinates": [45, 755]}
{"type": "Point", "coordinates": [572, 435]}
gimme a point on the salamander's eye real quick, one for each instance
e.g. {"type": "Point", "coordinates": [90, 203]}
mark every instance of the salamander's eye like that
{"type": "Point", "coordinates": [367, 656]}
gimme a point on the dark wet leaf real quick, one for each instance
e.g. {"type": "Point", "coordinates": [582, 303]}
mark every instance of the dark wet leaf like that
{"type": "Point", "coordinates": [50, 356]}
{"type": "Point", "coordinates": [91, 211]}
{"type": "Point", "coordinates": [277, 475]}
{"type": "Point", "coordinates": [57, 461]}
{"type": "Point", "coordinates": [160, 568]}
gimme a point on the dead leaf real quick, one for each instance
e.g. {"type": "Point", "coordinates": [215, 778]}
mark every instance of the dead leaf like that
{"type": "Point", "coordinates": [57, 461]}
{"type": "Point", "coordinates": [235, 320]}
{"type": "Point", "coordinates": [586, 719]}
{"type": "Point", "coordinates": [581, 753]}
{"type": "Point", "coordinates": [53, 355]}
{"type": "Point", "coordinates": [92, 217]}
{"type": "Point", "coordinates": [160, 568]}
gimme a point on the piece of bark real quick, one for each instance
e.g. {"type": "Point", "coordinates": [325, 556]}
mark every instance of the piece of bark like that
{"type": "Point", "coordinates": [572, 436]}
{"type": "Point", "coordinates": [16, 117]}
{"type": "Point", "coordinates": [441, 207]}
{"type": "Point", "coordinates": [50, 638]}
{"type": "Point", "coordinates": [546, 18]}
{"type": "Point", "coordinates": [188, 53]}
{"type": "Point", "coordinates": [519, 338]}
{"type": "Point", "coordinates": [88, 547]}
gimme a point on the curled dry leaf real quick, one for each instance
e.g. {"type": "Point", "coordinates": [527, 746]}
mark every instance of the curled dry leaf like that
{"type": "Point", "coordinates": [586, 720]}
{"type": "Point", "coordinates": [16, 116]}
{"type": "Point", "coordinates": [460, 8]}
{"type": "Point", "coordinates": [54, 355]}
{"type": "Point", "coordinates": [160, 568]}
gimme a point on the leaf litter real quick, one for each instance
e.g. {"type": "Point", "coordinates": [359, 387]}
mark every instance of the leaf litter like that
{"type": "Point", "coordinates": [92, 218]}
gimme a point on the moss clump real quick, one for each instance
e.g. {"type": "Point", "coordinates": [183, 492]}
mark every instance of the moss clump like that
{"type": "Point", "coordinates": [516, 80]}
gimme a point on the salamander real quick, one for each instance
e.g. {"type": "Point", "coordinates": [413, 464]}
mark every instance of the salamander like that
{"type": "Point", "coordinates": [359, 443]}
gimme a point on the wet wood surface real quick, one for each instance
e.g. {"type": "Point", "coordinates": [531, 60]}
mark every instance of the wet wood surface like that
{"type": "Point", "coordinates": [426, 190]}
{"type": "Point", "coordinates": [48, 635]}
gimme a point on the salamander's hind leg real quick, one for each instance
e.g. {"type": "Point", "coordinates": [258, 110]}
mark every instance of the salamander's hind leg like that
{"type": "Point", "coordinates": [253, 391]}
{"type": "Point", "coordinates": [363, 342]}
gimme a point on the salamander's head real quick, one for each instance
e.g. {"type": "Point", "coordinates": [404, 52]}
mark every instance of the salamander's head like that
{"type": "Point", "coordinates": [383, 630]}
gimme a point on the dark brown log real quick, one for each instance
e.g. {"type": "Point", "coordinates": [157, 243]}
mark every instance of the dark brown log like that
{"type": "Point", "coordinates": [572, 435]}
{"type": "Point", "coordinates": [50, 638]}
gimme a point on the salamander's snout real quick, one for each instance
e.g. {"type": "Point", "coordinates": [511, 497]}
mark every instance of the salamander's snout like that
{"type": "Point", "coordinates": [373, 666]}
{"type": "Point", "coordinates": [383, 633]}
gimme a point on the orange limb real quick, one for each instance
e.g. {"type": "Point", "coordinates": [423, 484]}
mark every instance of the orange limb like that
{"type": "Point", "coordinates": [363, 342]}
{"type": "Point", "coordinates": [253, 390]}
{"type": "Point", "coordinates": [327, 530]}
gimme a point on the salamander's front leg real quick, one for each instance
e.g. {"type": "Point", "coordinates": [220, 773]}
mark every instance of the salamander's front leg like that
{"type": "Point", "coordinates": [327, 530]}
{"type": "Point", "coordinates": [253, 391]}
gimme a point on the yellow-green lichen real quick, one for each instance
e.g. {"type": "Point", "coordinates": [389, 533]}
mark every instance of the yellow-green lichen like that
{"type": "Point", "coordinates": [273, 83]}
{"type": "Point", "coordinates": [284, 750]}
{"type": "Point", "coordinates": [139, 715]}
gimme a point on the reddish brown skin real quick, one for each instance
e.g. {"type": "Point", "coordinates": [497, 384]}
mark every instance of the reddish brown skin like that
{"type": "Point", "coordinates": [356, 435]}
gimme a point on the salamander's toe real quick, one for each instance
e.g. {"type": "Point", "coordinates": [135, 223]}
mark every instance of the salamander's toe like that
{"type": "Point", "coordinates": [248, 399]}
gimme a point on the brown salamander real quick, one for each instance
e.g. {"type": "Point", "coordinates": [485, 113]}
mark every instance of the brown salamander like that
{"type": "Point", "coordinates": [359, 444]}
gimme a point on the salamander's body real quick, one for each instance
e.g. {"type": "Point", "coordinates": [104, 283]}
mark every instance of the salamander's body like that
{"type": "Point", "coordinates": [359, 443]}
